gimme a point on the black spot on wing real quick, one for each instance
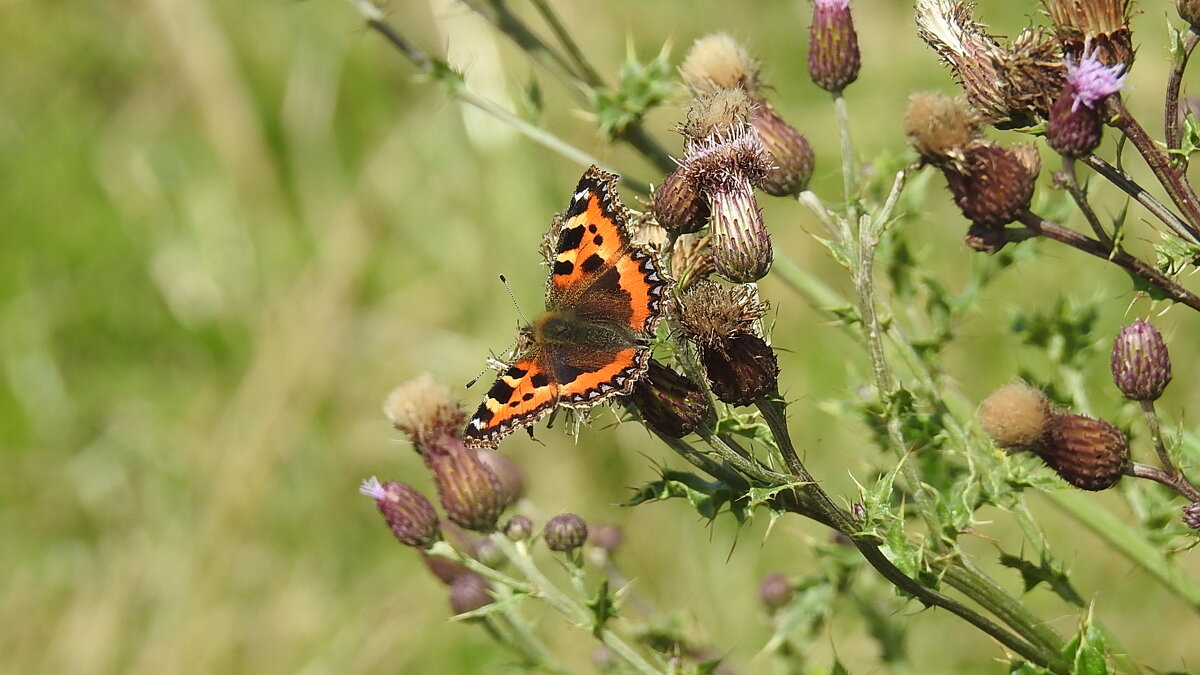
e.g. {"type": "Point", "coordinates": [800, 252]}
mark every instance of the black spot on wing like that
{"type": "Point", "coordinates": [501, 391]}
{"type": "Point", "coordinates": [540, 380]}
{"type": "Point", "coordinates": [566, 373]}
{"type": "Point", "coordinates": [592, 263]}
{"type": "Point", "coordinates": [598, 240]}
{"type": "Point", "coordinates": [570, 239]}
{"type": "Point", "coordinates": [564, 267]}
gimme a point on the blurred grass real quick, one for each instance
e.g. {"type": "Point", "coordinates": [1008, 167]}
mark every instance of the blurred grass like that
{"type": "Point", "coordinates": [230, 228]}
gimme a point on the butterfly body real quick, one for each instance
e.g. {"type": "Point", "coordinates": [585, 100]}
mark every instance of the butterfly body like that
{"type": "Point", "coordinates": [603, 302]}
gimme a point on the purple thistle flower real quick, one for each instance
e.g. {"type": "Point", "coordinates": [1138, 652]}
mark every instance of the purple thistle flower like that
{"type": "Point", "coordinates": [1091, 80]}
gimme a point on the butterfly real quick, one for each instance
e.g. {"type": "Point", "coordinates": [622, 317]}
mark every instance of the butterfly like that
{"type": "Point", "coordinates": [604, 298]}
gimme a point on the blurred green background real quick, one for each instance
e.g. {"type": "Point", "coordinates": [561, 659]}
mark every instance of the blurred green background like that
{"type": "Point", "coordinates": [230, 228]}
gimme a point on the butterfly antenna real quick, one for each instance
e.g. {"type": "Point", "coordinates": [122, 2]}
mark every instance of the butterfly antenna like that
{"type": "Point", "coordinates": [493, 363]}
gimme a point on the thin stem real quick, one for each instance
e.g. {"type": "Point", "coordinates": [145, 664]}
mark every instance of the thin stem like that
{"type": "Point", "coordinates": [849, 166]}
{"type": "Point", "coordinates": [706, 464]}
{"type": "Point", "coordinates": [582, 66]}
{"type": "Point", "coordinates": [1147, 200]}
{"type": "Point", "coordinates": [1071, 182]}
{"type": "Point", "coordinates": [1176, 482]}
{"type": "Point", "coordinates": [982, 589]}
{"type": "Point", "coordinates": [523, 639]}
{"type": "Point", "coordinates": [1156, 436]}
{"type": "Point", "coordinates": [1172, 178]}
{"type": "Point", "coordinates": [1135, 266]}
{"type": "Point", "coordinates": [1171, 129]}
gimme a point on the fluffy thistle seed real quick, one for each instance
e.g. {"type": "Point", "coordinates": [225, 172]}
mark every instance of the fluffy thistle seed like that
{"type": "Point", "coordinates": [423, 408]}
{"type": "Point", "coordinates": [565, 532]}
{"type": "Point", "coordinates": [941, 129]}
{"type": "Point", "coordinates": [1015, 415]}
{"type": "Point", "coordinates": [1141, 364]}
{"type": "Point", "coordinates": [717, 62]}
{"type": "Point", "coordinates": [833, 55]}
{"type": "Point", "coordinates": [1088, 453]}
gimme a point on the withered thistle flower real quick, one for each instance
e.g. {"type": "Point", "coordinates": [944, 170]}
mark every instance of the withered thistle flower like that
{"type": "Point", "coordinates": [468, 592]}
{"type": "Point", "coordinates": [565, 532]}
{"type": "Point", "coordinates": [717, 62]}
{"type": "Point", "coordinates": [833, 56]}
{"type": "Point", "coordinates": [1191, 515]}
{"type": "Point", "coordinates": [995, 185]}
{"type": "Point", "coordinates": [1141, 365]}
{"type": "Point", "coordinates": [407, 512]}
{"type": "Point", "coordinates": [1015, 416]}
{"type": "Point", "coordinates": [1010, 85]}
{"type": "Point", "coordinates": [470, 491]}
{"type": "Point", "coordinates": [678, 205]}
{"type": "Point", "coordinates": [725, 159]}
{"type": "Point", "coordinates": [1074, 128]}
{"type": "Point", "coordinates": [669, 402]}
{"type": "Point", "coordinates": [740, 366]}
{"type": "Point", "coordinates": [1088, 453]}
{"type": "Point", "coordinates": [1102, 25]}
{"type": "Point", "coordinates": [691, 261]}
{"type": "Point", "coordinates": [941, 129]}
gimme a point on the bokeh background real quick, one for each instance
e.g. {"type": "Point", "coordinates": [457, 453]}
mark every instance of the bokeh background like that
{"type": "Point", "coordinates": [230, 228]}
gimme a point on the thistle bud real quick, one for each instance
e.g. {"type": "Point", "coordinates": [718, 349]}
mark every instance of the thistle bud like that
{"type": "Point", "coordinates": [1088, 453]}
{"type": "Point", "coordinates": [518, 528]}
{"type": "Point", "coordinates": [678, 206]}
{"type": "Point", "coordinates": [833, 56]}
{"type": "Point", "coordinates": [512, 481]}
{"type": "Point", "coordinates": [1015, 415]}
{"type": "Point", "coordinates": [1074, 127]}
{"type": "Point", "coordinates": [469, 491]}
{"type": "Point", "coordinates": [775, 591]}
{"type": "Point", "coordinates": [444, 569]}
{"type": "Point", "coordinates": [725, 159]}
{"type": "Point", "coordinates": [607, 538]}
{"type": "Point", "coordinates": [740, 365]}
{"type": "Point", "coordinates": [996, 184]}
{"type": "Point", "coordinates": [1189, 11]}
{"type": "Point", "coordinates": [792, 154]}
{"type": "Point", "coordinates": [669, 402]}
{"type": "Point", "coordinates": [1141, 365]}
{"type": "Point", "coordinates": [407, 512]}
{"type": "Point", "coordinates": [565, 532]}
{"type": "Point", "coordinates": [468, 592]}
{"type": "Point", "coordinates": [1191, 515]}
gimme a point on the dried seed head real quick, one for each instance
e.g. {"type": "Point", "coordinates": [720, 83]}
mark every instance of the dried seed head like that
{"type": "Point", "coordinates": [742, 370]}
{"type": "Point", "coordinates": [792, 155]}
{"type": "Point", "coordinates": [407, 512]}
{"type": "Point", "coordinates": [691, 261]}
{"type": "Point", "coordinates": [1015, 415]}
{"type": "Point", "coordinates": [775, 591]}
{"type": "Point", "coordinates": [723, 113]}
{"type": "Point", "coordinates": [678, 205]}
{"type": "Point", "coordinates": [469, 592]}
{"type": "Point", "coordinates": [565, 532]}
{"type": "Point", "coordinates": [1141, 365]}
{"type": "Point", "coordinates": [833, 56]}
{"type": "Point", "coordinates": [710, 314]}
{"type": "Point", "coordinates": [1088, 453]}
{"type": "Point", "coordinates": [1099, 24]}
{"type": "Point", "coordinates": [669, 402]}
{"type": "Point", "coordinates": [518, 528]}
{"type": "Point", "coordinates": [1011, 86]}
{"type": "Point", "coordinates": [1191, 515]}
{"type": "Point", "coordinates": [470, 492]}
{"type": "Point", "coordinates": [423, 408]}
{"type": "Point", "coordinates": [996, 183]}
{"type": "Point", "coordinates": [941, 129]}
{"type": "Point", "coordinates": [717, 62]}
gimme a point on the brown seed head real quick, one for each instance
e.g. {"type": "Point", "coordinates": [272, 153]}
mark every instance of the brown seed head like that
{"type": "Point", "coordinates": [996, 183]}
{"type": "Point", "coordinates": [1189, 11]}
{"type": "Point", "coordinates": [723, 113]}
{"type": "Point", "coordinates": [678, 205]}
{"type": "Point", "coordinates": [1087, 453]}
{"type": "Point", "coordinates": [741, 370]}
{"type": "Point", "coordinates": [669, 403]}
{"type": "Point", "coordinates": [710, 313]}
{"type": "Point", "coordinates": [1015, 415]}
{"type": "Point", "coordinates": [718, 62]}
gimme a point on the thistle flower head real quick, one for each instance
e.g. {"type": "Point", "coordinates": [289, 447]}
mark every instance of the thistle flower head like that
{"type": "Point", "coordinates": [607, 538]}
{"type": "Point", "coordinates": [1090, 80]}
{"type": "Point", "coordinates": [678, 205]}
{"type": "Point", "coordinates": [407, 512]}
{"type": "Point", "coordinates": [423, 408]}
{"type": "Point", "coordinates": [565, 532]}
{"type": "Point", "coordinates": [941, 129]}
{"type": "Point", "coordinates": [791, 153]}
{"type": "Point", "coordinates": [1101, 24]}
{"type": "Point", "coordinates": [1141, 364]}
{"type": "Point", "coordinates": [1088, 453]}
{"type": "Point", "coordinates": [669, 403]}
{"type": "Point", "coordinates": [710, 313]}
{"type": "Point", "coordinates": [717, 62]}
{"type": "Point", "coordinates": [1015, 415]}
{"type": "Point", "coordinates": [833, 55]}
{"type": "Point", "coordinates": [1010, 85]}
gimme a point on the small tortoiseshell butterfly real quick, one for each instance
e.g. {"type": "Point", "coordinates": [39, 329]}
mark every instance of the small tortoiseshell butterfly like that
{"type": "Point", "coordinates": [603, 301]}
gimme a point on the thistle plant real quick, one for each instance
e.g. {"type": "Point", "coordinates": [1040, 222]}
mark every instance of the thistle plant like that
{"type": "Point", "coordinates": [715, 394]}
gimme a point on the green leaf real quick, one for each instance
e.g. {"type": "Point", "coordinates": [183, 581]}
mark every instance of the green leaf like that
{"type": "Point", "coordinates": [640, 87]}
{"type": "Point", "coordinates": [708, 498]}
{"type": "Point", "coordinates": [1064, 332]}
{"type": "Point", "coordinates": [1173, 255]}
{"type": "Point", "coordinates": [1087, 650]}
{"type": "Point", "coordinates": [603, 607]}
{"type": "Point", "coordinates": [1054, 577]}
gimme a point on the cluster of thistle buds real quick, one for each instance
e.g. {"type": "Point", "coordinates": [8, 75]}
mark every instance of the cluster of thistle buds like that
{"type": "Point", "coordinates": [1092, 454]}
{"type": "Point", "coordinates": [1061, 77]}
{"type": "Point", "coordinates": [474, 488]}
